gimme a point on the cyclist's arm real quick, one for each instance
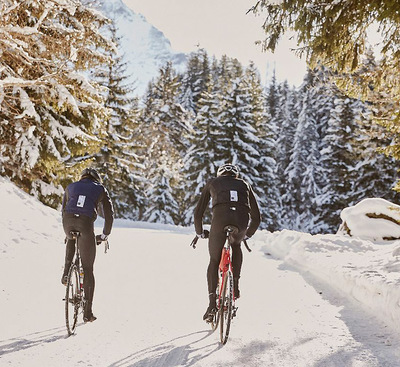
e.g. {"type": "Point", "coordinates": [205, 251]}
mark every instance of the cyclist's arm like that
{"type": "Point", "coordinates": [255, 216]}
{"type": "Point", "coordinates": [65, 199]}
{"type": "Point", "coordinates": [200, 208]}
{"type": "Point", "coordinates": [108, 212]}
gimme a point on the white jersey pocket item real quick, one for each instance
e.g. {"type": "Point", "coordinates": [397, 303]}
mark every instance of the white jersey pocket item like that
{"type": "Point", "coordinates": [234, 195]}
{"type": "Point", "coordinates": [81, 201]}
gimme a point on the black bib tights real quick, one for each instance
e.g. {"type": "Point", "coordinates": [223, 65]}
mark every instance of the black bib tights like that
{"type": "Point", "coordinates": [87, 249]}
{"type": "Point", "coordinates": [223, 215]}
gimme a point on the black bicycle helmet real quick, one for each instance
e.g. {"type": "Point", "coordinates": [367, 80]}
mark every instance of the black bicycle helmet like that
{"type": "Point", "coordinates": [228, 169]}
{"type": "Point", "coordinates": [90, 173]}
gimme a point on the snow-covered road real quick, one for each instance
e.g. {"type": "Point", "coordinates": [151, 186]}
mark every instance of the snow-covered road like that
{"type": "Point", "coordinates": [151, 295]}
{"type": "Point", "coordinates": [150, 298]}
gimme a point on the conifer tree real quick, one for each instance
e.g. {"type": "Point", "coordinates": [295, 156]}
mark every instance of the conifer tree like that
{"type": "Point", "coordinates": [238, 138]}
{"type": "Point", "coordinates": [338, 160]}
{"type": "Point", "coordinates": [196, 79]}
{"type": "Point", "coordinates": [50, 112]}
{"type": "Point", "coordinates": [264, 175]}
{"type": "Point", "coordinates": [118, 159]}
{"type": "Point", "coordinates": [375, 174]}
{"type": "Point", "coordinates": [199, 164]}
{"type": "Point", "coordinates": [303, 170]}
{"type": "Point", "coordinates": [166, 126]}
{"type": "Point", "coordinates": [162, 206]}
{"type": "Point", "coordinates": [286, 120]}
{"type": "Point", "coordinates": [336, 35]}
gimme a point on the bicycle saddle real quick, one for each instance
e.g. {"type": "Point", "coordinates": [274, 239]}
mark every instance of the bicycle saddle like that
{"type": "Point", "coordinates": [231, 229]}
{"type": "Point", "coordinates": [75, 234]}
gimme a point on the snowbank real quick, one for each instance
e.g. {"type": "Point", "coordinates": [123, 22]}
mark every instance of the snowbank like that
{"type": "Point", "coordinates": [23, 219]}
{"type": "Point", "coordinates": [372, 219]}
{"type": "Point", "coordinates": [368, 272]}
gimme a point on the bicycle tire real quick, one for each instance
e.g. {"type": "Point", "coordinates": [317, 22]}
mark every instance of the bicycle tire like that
{"type": "Point", "coordinates": [72, 300]}
{"type": "Point", "coordinates": [215, 322]}
{"type": "Point", "coordinates": [225, 311]}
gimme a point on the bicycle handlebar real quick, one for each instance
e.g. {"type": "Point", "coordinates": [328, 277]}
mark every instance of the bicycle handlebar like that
{"type": "Point", "coordinates": [106, 245]}
{"type": "Point", "coordinates": [247, 246]}
{"type": "Point", "coordinates": [193, 243]}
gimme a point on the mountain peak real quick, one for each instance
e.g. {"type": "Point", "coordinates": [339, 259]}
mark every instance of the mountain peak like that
{"type": "Point", "coordinates": [145, 48]}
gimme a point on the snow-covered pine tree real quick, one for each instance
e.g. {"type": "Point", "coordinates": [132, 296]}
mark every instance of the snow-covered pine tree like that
{"type": "Point", "coordinates": [303, 170]}
{"type": "Point", "coordinates": [237, 139]}
{"type": "Point", "coordinates": [375, 173]}
{"type": "Point", "coordinates": [163, 177]}
{"type": "Point", "coordinates": [165, 129]}
{"type": "Point", "coordinates": [118, 159]}
{"type": "Point", "coordinates": [198, 166]}
{"type": "Point", "coordinates": [50, 112]}
{"type": "Point", "coordinates": [324, 92]}
{"type": "Point", "coordinates": [265, 176]}
{"type": "Point", "coordinates": [286, 120]}
{"type": "Point", "coordinates": [338, 159]}
{"type": "Point", "coordinates": [195, 80]}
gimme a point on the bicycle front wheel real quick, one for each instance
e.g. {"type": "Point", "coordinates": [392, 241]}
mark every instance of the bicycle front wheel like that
{"type": "Point", "coordinates": [72, 300]}
{"type": "Point", "coordinates": [225, 311]}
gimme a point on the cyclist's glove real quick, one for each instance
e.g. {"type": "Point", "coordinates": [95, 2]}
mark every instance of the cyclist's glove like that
{"type": "Point", "coordinates": [100, 238]}
{"type": "Point", "coordinates": [205, 234]}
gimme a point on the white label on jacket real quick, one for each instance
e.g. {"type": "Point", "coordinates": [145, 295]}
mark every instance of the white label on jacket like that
{"type": "Point", "coordinates": [234, 195]}
{"type": "Point", "coordinates": [81, 201]}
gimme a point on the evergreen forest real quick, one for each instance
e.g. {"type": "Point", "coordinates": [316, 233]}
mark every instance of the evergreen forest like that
{"type": "Point", "coordinates": [308, 152]}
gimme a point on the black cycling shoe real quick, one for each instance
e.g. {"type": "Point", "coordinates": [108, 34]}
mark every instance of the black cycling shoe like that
{"type": "Point", "coordinates": [88, 314]}
{"type": "Point", "coordinates": [236, 290]}
{"type": "Point", "coordinates": [89, 318]}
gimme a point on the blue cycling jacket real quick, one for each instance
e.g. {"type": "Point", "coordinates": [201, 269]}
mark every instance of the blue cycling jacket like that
{"type": "Point", "coordinates": [86, 197]}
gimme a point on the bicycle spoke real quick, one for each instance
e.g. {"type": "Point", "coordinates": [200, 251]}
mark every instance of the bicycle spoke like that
{"type": "Point", "coordinates": [226, 307]}
{"type": "Point", "coordinates": [72, 300]}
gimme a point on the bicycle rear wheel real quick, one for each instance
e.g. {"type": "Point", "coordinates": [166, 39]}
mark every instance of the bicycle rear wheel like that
{"type": "Point", "coordinates": [225, 311]}
{"type": "Point", "coordinates": [73, 299]}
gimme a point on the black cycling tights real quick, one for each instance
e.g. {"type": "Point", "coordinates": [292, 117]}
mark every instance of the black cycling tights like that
{"type": "Point", "coordinates": [87, 249]}
{"type": "Point", "coordinates": [223, 216]}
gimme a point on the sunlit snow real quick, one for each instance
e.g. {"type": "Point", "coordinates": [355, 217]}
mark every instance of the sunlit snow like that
{"type": "Point", "coordinates": [323, 300]}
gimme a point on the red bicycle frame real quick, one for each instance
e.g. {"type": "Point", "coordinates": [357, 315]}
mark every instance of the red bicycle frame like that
{"type": "Point", "coordinates": [224, 265]}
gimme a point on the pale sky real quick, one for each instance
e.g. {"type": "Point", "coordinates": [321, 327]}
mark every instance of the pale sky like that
{"type": "Point", "coordinates": [221, 27]}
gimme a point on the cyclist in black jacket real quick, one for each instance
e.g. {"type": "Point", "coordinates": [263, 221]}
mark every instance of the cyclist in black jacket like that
{"type": "Point", "coordinates": [81, 201]}
{"type": "Point", "coordinates": [234, 203]}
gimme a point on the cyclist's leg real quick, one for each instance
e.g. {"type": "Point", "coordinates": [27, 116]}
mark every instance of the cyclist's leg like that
{"type": "Point", "coordinates": [69, 255]}
{"type": "Point", "coordinates": [241, 221]}
{"type": "Point", "coordinates": [87, 249]}
{"type": "Point", "coordinates": [215, 244]}
{"type": "Point", "coordinates": [68, 225]}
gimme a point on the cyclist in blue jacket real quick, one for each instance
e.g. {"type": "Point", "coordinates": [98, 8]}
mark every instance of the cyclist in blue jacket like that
{"type": "Point", "coordinates": [81, 202]}
{"type": "Point", "coordinates": [233, 203]}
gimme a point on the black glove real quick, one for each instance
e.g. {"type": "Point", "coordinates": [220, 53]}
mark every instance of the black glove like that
{"type": "Point", "coordinates": [100, 238]}
{"type": "Point", "coordinates": [204, 235]}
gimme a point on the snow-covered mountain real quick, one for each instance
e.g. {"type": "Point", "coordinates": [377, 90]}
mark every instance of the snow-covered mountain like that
{"type": "Point", "coordinates": [145, 47]}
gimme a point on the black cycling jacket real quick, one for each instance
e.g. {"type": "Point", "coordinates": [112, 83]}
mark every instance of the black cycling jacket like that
{"type": "Point", "coordinates": [228, 191]}
{"type": "Point", "coordinates": [84, 197]}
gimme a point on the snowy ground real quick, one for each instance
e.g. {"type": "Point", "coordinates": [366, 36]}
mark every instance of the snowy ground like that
{"type": "Point", "coordinates": [306, 300]}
